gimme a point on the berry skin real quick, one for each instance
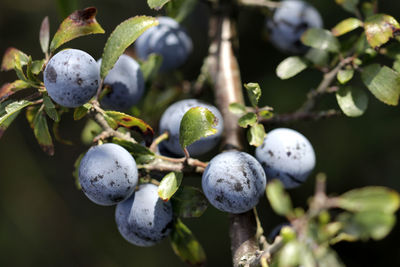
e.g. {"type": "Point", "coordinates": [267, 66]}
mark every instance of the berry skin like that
{"type": "Point", "coordinates": [167, 39]}
{"type": "Point", "coordinates": [71, 78]}
{"type": "Point", "coordinates": [233, 182]}
{"type": "Point", "coordinates": [144, 219]}
{"type": "Point", "coordinates": [171, 121]}
{"type": "Point", "coordinates": [126, 82]}
{"type": "Point", "coordinates": [108, 174]}
{"type": "Point", "coordinates": [286, 155]}
{"type": "Point", "coordinates": [289, 22]}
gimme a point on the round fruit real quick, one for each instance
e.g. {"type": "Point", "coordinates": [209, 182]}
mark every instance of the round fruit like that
{"type": "Point", "coordinates": [144, 219]}
{"type": "Point", "coordinates": [233, 182]}
{"type": "Point", "coordinates": [286, 155]}
{"type": "Point", "coordinates": [126, 82]}
{"type": "Point", "coordinates": [171, 121]}
{"type": "Point", "coordinates": [71, 77]}
{"type": "Point", "coordinates": [167, 39]}
{"type": "Point", "coordinates": [108, 174]}
{"type": "Point", "coordinates": [289, 22]}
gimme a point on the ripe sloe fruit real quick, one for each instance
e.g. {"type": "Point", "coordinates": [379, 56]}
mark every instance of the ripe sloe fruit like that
{"type": "Point", "coordinates": [108, 174]}
{"type": "Point", "coordinates": [71, 77]}
{"type": "Point", "coordinates": [286, 155]}
{"type": "Point", "coordinates": [233, 182]}
{"type": "Point", "coordinates": [144, 219]}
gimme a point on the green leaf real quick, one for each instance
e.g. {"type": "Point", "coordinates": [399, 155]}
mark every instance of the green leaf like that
{"type": "Point", "coordinates": [256, 135]}
{"type": "Point", "coordinates": [290, 254]}
{"type": "Point", "coordinates": [79, 23]}
{"type": "Point", "coordinates": [141, 153]}
{"type": "Point", "coordinates": [383, 82]}
{"type": "Point", "coordinates": [180, 9]}
{"type": "Point", "coordinates": [321, 39]}
{"type": "Point", "coordinates": [42, 134]}
{"type": "Point", "coordinates": [189, 202]}
{"type": "Point", "coordinates": [186, 246]}
{"type": "Point", "coordinates": [157, 4]}
{"type": "Point", "coordinates": [247, 120]}
{"type": "Point", "coordinates": [90, 131]}
{"type": "Point", "coordinates": [44, 35]}
{"type": "Point", "coordinates": [380, 28]}
{"type": "Point", "coordinates": [396, 65]}
{"type": "Point", "coordinates": [290, 67]}
{"type": "Point", "coordinates": [37, 66]}
{"type": "Point", "coordinates": [12, 108]}
{"type": "Point", "coordinates": [345, 75]}
{"type": "Point", "coordinates": [254, 93]}
{"type": "Point", "coordinates": [151, 66]}
{"type": "Point", "coordinates": [81, 111]}
{"type": "Point", "coordinates": [278, 198]}
{"type": "Point", "coordinates": [367, 224]}
{"type": "Point", "coordinates": [348, 5]}
{"type": "Point", "coordinates": [8, 62]}
{"type": "Point", "coordinates": [66, 7]}
{"type": "Point", "coordinates": [10, 88]}
{"type": "Point", "coordinates": [198, 122]}
{"type": "Point", "coordinates": [237, 108]}
{"type": "Point", "coordinates": [6, 122]}
{"type": "Point", "coordinates": [266, 114]}
{"type": "Point", "coordinates": [169, 184]}
{"type": "Point", "coordinates": [317, 56]}
{"type": "Point", "coordinates": [370, 198]}
{"type": "Point", "coordinates": [352, 101]}
{"type": "Point", "coordinates": [129, 122]}
{"type": "Point", "coordinates": [346, 26]}
{"type": "Point", "coordinates": [50, 108]}
{"type": "Point", "coordinates": [122, 37]}
{"type": "Point", "coordinates": [75, 173]}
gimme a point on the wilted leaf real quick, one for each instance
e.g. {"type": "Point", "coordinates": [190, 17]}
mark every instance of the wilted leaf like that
{"type": "Point", "coordinates": [151, 66]}
{"type": "Point", "coordinates": [370, 198]}
{"type": "Point", "coordinates": [157, 4]}
{"type": "Point", "coordinates": [189, 202]}
{"type": "Point", "coordinates": [290, 67]}
{"type": "Point", "coordinates": [380, 28]}
{"type": "Point", "coordinates": [50, 108]}
{"type": "Point", "coordinates": [141, 153]}
{"type": "Point", "coordinates": [81, 111]}
{"type": "Point", "coordinates": [346, 75]}
{"type": "Point", "coordinates": [321, 39]}
{"type": "Point", "coordinates": [8, 62]}
{"type": "Point", "coordinates": [126, 121]}
{"type": "Point", "coordinates": [42, 134]}
{"type": "Point", "coordinates": [80, 23]}
{"type": "Point", "coordinates": [247, 120]}
{"type": "Point", "coordinates": [256, 135]}
{"type": "Point", "coordinates": [237, 108]}
{"type": "Point", "coordinates": [198, 122]}
{"type": "Point", "coordinates": [278, 198]}
{"type": "Point", "coordinates": [122, 37]}
{"type": "Point", "coordinates": [186, 246]}
{"type": "Point", "coordinates": [44, 35]}
{"type": "Point", "coordinates": [10, 88]}
{"type": "Point", "coordinates": [383, 82]}
{"type": "Point", "coordinates": [254, 93]}
{"type": "Point", "coordinates": [346, 26]}
{"type": "Point", "coordinates": [352, 101]}
{"type": "Point", "coordinates": [169, 184]}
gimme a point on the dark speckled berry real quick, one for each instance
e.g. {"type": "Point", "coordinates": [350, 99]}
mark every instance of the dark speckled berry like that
{"type": "Point", "coordinates": [71, 77]}
{"type": "Point", "coordinates": [144, 219]}
{"type": "Point", "coordinates": [108, 174]}
{"type": "Point", "coordinates": [233, 182]}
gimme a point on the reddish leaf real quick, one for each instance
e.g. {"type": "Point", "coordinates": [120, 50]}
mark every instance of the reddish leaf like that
{"type": "Point", "coordinates": [44, 35]}
{"type": "Point", "coordinates": [8, 62]}
{"type": "Point", "coordinates": [10, 88]}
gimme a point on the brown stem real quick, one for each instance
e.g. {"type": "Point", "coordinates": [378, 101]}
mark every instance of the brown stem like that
{"type": "Point", "coordinates": [225, 75]}
{"type": "Point", "coordinates": [158, 140]}
{"type": "Point", "coordinates": [188, 166]}
{"type": "Point", "coordinates": [301, 116]}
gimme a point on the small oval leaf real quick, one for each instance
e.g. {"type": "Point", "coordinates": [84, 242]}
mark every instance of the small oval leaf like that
{"type": "Point", "coordinates": [345, 75]}
{"type": "Point", "coordinates": [189, 202]}
{"type": "Point", "coordinates": [42, 134]}
{"type": "Point", "coordinates": [80, 23]}
{"type": "Point", "coordinates": [122, 37]}
{"type": "Point", "coordinates": [352, 101]}
{"type": "Point", "coordinates": [237, 108]}
{"type": "Point", "coordinates": [254, 93]}
{"type": "Point", "coordinates": [321, 39]}
{"type": "Point", "coordinates": [169, 184]}
{"type": "Point", "coordinates": [198, 122]}
{"type": "Point", "coordinates": [142, 154]}
{"type": "Point", "coordinates": [346, 26]}
{"type": "Point", "coordinates": [290, 67]}
{"type": "Point", "coordinates": [247, 120]}
{"type": "Point", "coordinates": [278, 198]}
{"type": "Point", "coordinates": [157, 4]}
{"type": "Point", "coordinates": [256, 135]}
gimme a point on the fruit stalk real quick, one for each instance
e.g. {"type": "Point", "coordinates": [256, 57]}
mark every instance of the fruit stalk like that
{"type": "Point", "coordinates": [225, 75]}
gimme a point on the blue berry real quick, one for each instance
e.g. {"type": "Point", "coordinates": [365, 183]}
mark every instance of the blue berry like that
{"type": "Point", "coordinates": [126, 82]}
{"type": "Point", "coordinates": [167, 39]}
{"type": "Point", "coordinates": [171, 121]}
{"type": "Point", "coordinates": [108, 174]}
{"type": "Point", "coordinates": [289, 22]}
{"type": "Point", "coordinates": [144, 219]}
{"type": "Point", "coordinates": [286, 155]}
{"type": "Point", "coordinates": [71, 78]}
{"type": "Point", "coordinates": [234, 182]}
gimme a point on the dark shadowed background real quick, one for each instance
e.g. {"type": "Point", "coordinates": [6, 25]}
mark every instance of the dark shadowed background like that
{"type": "Point", "coordinates": [46, 221]}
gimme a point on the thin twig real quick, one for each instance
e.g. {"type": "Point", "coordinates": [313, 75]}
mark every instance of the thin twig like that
{"type": "Point", "coordinates": [158, 140]}
{"type": "Point", "coordinates": [301, 116]}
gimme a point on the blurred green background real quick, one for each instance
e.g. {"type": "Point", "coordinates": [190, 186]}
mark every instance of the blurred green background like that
{"type": "Point", "coordinates": [46, 221]}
